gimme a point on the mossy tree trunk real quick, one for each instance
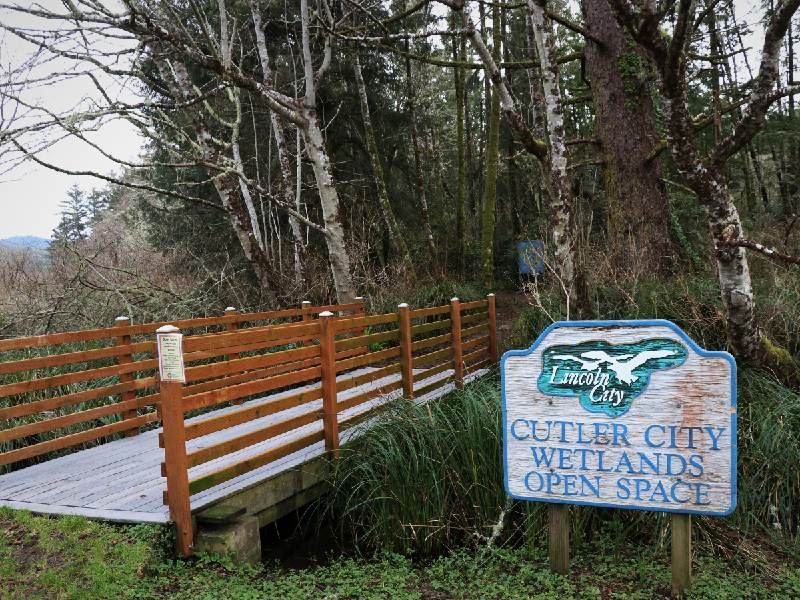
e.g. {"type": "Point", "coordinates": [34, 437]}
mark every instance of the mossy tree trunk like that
{"type": "Point", "coordinates": [637, 221]}
{"type": "Point", "coordinates": [420, 179]}
{"type": "Point", "coordinates": [392, 227]}
{"type": "Point", "coordinates": [489, 203]}
{"type": "Point", "coordinates": [459, 52]}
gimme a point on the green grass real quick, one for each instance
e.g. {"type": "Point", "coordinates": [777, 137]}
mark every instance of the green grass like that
{"type": "Point", "coordinates": [71, 558]}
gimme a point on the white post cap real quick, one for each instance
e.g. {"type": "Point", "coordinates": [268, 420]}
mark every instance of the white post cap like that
{"type": "Point", "coordinates": [402, 305]}
{"type": "Point", "coordinates": [361, 298]}
{"type": "Point", "coordinates": [454, 299]}
{"type": "Point", "coordinates": [122, 319]}
{"type": "Point", "coordinates": [230, 308]}
{"type": "Point", "coordinates": [326, 313]}
{"type": "Point", "coordinates": [492, 294]}
{"type": "Point", "coordinates": [306, 302]}
{"type": "Point", "coordinates": [167, 329]}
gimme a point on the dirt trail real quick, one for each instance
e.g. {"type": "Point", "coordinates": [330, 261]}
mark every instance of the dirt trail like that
{"type": "Point", "coordinates": [509, 307]}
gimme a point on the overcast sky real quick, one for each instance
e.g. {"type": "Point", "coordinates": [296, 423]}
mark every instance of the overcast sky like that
{"type": "Point", "coordinates": [30, 195]}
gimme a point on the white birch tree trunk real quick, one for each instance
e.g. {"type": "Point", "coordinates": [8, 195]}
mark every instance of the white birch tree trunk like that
{"type": "Point", "coordinates": [733, 271]}
{"type": "Point", "coordinates": [279, 133]}
{"type": "Point", "coordinates": [329, 199]}
{"type": "Point", "coordinates": [558, 184]}
{"type": "Point", "coordinates": [176, 75]}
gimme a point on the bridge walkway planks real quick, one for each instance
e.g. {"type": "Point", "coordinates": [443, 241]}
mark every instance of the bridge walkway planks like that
{"type": "Point", "coordinates": [121, 480]}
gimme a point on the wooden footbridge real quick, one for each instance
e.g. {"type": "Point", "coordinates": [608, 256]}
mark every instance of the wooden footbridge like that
{"type": "Point", "coordinates": [87, 426]}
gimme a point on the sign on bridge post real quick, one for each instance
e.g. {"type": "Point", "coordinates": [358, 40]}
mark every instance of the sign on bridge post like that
{"type": "Point", "coordinates": [623, 414]}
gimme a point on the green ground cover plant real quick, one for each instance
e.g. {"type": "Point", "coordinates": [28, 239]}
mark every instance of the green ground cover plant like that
{"type": "Point", "coordinates": [71, 558]}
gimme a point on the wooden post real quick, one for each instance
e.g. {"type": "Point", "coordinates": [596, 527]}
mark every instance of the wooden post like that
{"type": "Point", "coordinates": [492, 308]}
{"type": "Point", "coordinates": [177, 465]}
{"type": "Point", "coordinates": [305, 315]}
{"type": "Point", "coordinates": [233, 326]}
{"type": "Point", "coordinates": [558, 516]}
{"type": "Point", "coordinates": [126, 359]}
{"type": "Point", "coordinates": [327, 347]}
{"type": "Point", "coordinates": [458, 352]}
{"type": "Point", "coordinates": [361, 312]}
{"type": "Point", "coordinates": [681, 554]}
{"type": "Point", "coordinates": [406, 354]}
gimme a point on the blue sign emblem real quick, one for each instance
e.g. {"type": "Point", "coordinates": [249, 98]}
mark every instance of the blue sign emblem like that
{"type": "Point", "coordinates": [606, 377]}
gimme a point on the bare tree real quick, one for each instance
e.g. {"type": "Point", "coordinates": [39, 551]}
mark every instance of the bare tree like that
{"type": "Point", "coordinates": [100, 43]}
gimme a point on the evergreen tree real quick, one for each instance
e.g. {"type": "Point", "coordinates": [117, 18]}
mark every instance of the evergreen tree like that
{"type": "Point", "coordinates": [75, 214]}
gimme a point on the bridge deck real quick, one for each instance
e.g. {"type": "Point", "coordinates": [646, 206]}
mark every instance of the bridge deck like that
{"type": "Point", "coordinates": [121, 480]}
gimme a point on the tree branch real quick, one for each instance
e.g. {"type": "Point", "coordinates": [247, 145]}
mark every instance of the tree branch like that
{"type": "Point", "coordinates": [761, 249]}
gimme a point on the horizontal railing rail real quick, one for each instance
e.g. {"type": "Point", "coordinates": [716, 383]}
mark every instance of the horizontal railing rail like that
{"type": "Point", "coordinates": [62, 391]}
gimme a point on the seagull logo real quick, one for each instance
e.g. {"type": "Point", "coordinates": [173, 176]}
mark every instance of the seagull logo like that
{"type": "Point", "coordinates": [606, 377]}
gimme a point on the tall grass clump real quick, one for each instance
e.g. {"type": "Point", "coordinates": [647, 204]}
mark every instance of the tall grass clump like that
{"type": "Point", "coordinates": [425, 477]}
{"type": "Point", "coordinates": [769, 455]}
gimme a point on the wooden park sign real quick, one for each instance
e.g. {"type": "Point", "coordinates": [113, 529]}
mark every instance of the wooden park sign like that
{"type": "Point", "coordinates": [623, 414]}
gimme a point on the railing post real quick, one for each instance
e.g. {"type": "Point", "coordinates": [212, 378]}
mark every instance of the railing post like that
{"type": "Point", "coordinates": [458, 352]}
{"type": "Point", "coordinates": [125, 359]}
{"type": "Point", "coordinates": [406, 356]}
{"type": "Point", "coordinates": [361, 312]}
{"type": "Point", "coordinates": [330, 409]}
{"type": "Point", "coordinates": [232, 326]}
{"type": "Point", "coordinates": [305, 314]}
{"type": "Point", "coordinates": [175, 461]}
{"type": "Point", "coordinates": [492, 308]}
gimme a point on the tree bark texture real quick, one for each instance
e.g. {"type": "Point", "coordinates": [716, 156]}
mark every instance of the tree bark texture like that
{"type": "Point", "coordinates": [558, 180]}
{"type": "Point", "coordinates": [420, 179]}
{"type": "Point", "coordinates": [338, 256]}
{"type": "Point", "coordinates": [226, 183]}
{"type": "Point", "coordinates": [461, 157]}
{"type": "Point", "coordinates": [489, 204]}
{"type": "Point", "coordinates": [637, 211]}
{"type": "Point", "coordinates": [329, 199]}
{"type": "Point", "coordinates": [279, 133]}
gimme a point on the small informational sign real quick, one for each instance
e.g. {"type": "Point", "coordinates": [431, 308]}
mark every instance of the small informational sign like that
{"type": "Point", "coordinates": [170, 356]}
{"type": "Point", "coordinates": [625, 414]}
{"type": "Point", "coordinates": [530, 257]}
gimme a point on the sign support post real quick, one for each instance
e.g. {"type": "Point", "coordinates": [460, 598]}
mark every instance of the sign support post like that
{"type": "Point", "coordinates": [681, 554]}
{"type": "Point", "coordinates": [172, 376]}
{"type": "Point", "coordinates": [558, 518]}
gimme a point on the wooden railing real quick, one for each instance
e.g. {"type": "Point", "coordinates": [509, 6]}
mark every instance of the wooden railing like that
{"type": "Point", "coordinates": [416, 351]}
{"type": "Point", "coordinates": [65, 390]}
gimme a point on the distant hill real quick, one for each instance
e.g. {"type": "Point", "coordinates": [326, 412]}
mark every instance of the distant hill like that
{"type": "Point", "coordinates": [25, 241]}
